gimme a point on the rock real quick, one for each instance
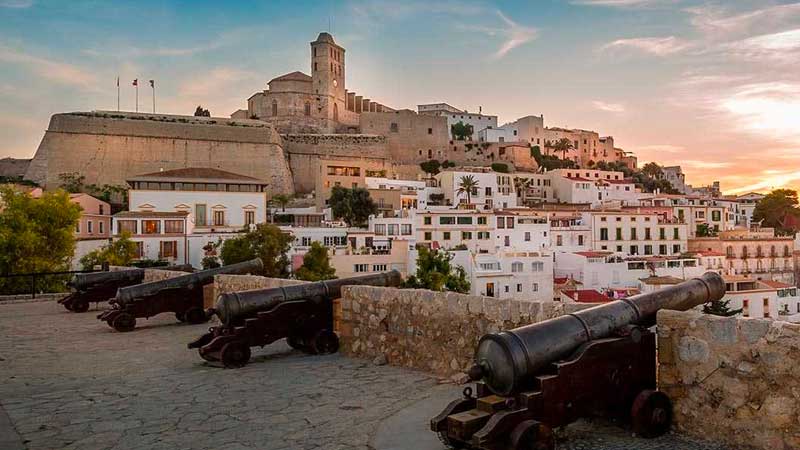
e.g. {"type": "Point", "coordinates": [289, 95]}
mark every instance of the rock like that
{"type": "Point", "coordinates": [380, 360]}
{"type": "Point", "coordinates": [460, 378]}
{"type": "Point", "coordinates": [692, 349]}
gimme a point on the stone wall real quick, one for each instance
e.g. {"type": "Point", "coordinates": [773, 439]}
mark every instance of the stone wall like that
{"type": "Point", "coordinates": [732, 380]}
{"type": "Point", "coordinates": [234, 283]}
{"type": "Point", "coordinates": [13, 167]}
{"type": "Point", "coordinates": [110, 147]}
{"type": "Point", "coordinates": [151, 275]}
{"type": "Point", "coordinates": [432, 331]}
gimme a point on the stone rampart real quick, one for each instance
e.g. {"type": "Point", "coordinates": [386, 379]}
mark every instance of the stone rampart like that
{"type": "Point", "coordinates": [432, 331]}
{"type": "Point", "coordinates": [234, 283]}
{"type": "Point", "coordinates": [151, 275]}
{"type": "Point", "coordinates": [110, 147]}
{"type": "Point", "coordinates": [732, 380]}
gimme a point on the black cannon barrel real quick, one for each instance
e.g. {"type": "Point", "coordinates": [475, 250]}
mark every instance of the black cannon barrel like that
{"type": "Point", "coordinates": [507, 360]}
{"type": "Point", "coordinates": [202, 277]}
{"type": "Point", "coordinates": [82, 281]}
{"type": "Point", "coordinates": [234, 306]}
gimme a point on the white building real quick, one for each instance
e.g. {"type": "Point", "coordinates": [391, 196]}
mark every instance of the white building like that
{"type": "Point", "coordinates": [454, 115]}
{"type": "Point", "coordinates": [594, 187]}
{"type": "Point", "coordinates": [635, 233]}
{"type": "Point", "coordinates": [570, 234]}
{"type": "Point", "coordinates": [388, 229]}
{"type": "Point", "coordinates": [494, 189]}
{"type": "Point", "coordinates": [762, 299]}
{"type": "Point", "coordinates": [533, 188]}
{"type": "Point", "coordinates": [159, 235]}
{"type": "Point", "coordinates": [513, 275]}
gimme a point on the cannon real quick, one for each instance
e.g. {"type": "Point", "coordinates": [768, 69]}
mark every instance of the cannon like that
{"type": "Point", "coordinates": [303, 314]}
{"type": "Point", "coordinates": [599, 361]}
{"type": "Point", "coordinates": [97, 287]}
{"type": "Point", "coordinates": [181, 295]}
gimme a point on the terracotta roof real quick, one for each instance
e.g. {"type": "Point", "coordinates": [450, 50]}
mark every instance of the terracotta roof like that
{"type": "Point", "coordinates": [293, 76]}
{"type": "Point", "coordinates": [776, 284]}
{"type": "Point", "coordinates": [660, 281]}
{"type": "Point", "coordinates": [148, 214]}
{"type": "Point", "coordinates": [565, 280]}
{"type": "Point", "coordinates": [619, 181]}
{"type": "Point", "coordinates": [197, 174]}
{"type": "Point", "coordinates": [578, 179]}
{"type": "Point", "coordinates": [587, 296]}
{"type": "Point", "coordinates": [593, 254]}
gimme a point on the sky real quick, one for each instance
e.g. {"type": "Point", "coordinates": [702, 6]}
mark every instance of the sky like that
{"type": "Point", "coordinates": [711, 86]}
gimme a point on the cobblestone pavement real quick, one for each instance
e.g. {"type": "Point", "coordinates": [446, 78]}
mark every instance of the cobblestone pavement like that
{"type": "Point", "coordinates": [69, 381]}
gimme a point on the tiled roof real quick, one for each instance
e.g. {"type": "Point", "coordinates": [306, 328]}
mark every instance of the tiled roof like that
{"type": "Point", "coordinates": [587, 296]}
{"type": "Point", "coordinates": [197, 174]}
{"type": "Point", "coordinates": [149, 214]}
{"type": "Point", "coordinates": [593, 254]}
{"type": "Point", "coordinates": [776, 284]}
{"type": "Point", "coordinates": [660, 281]}
{"type": "Point", "coordinates": [293, 76]}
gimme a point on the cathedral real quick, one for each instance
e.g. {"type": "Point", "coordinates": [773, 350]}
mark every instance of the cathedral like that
{"type": "Point", "coordinates": [316, 103]}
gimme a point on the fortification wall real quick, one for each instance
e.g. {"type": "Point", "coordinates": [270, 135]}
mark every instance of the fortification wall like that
{"type": "Point", "coordinates": [151, 275]}
{"type": "Point", "coordinates": [108, 147]}
{"type": "Point", "coordinates": [234, 283]}
{"type": "Point", "coordinates": [306, 150]}
{"type": "Point", "coordinates": [432, 331]}
{"type": "Point", "coordinates": [732, 380]}
{"type": "Point", "coordinates": [13, 167]}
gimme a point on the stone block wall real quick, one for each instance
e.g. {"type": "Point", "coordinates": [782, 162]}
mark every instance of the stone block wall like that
{"type": "Point", "coordinates": [433, 331]}
{"type": "Point", "coordinates": [234, 283]}
{"type": "Point", "coordinates": [151, 275]}
{"type": "Point", "coordinates": [732, 380]}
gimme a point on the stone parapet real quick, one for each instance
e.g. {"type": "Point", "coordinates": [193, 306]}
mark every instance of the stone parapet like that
{"type": "Point", "coordinates": [234, 283]}
{"type": "Point", "coordinates": [151, 275]}
{"type": "Point", "coordinates": [732, 380]}
{"type": "Point", "coordinates": [433, 331]}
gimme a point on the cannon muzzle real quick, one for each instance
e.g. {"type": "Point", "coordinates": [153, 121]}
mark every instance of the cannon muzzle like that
{"type": "Point", "coordinates": [507, 361]}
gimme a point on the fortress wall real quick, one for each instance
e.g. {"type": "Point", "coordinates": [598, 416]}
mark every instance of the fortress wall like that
{"type": "Point", "coordinates": [13, 167]}
{"type": "Point", "coordinates": [307, 150]}
{"type": "Point", "coordinates": [108, 148]}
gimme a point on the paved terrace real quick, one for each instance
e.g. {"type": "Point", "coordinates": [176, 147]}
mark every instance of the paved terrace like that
{"type": "Point", "coordinates": [68, 381]}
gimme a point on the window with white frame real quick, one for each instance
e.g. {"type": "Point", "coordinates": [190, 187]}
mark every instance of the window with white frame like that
{"type": "Point", "coordinates": [361, 268]}
{"type": "Point", "coordinates": [537, 266]}
{"type": "Point", "coordinates": [516, 267]}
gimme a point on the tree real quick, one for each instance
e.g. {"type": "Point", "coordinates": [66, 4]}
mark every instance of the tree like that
{"type": "Point", "coordinates": [550, 162]}
{"type": "Point", "coordinates": [267, 242]}
{"type": "Point", "coordinates": [118, 253]}
{"type": "Point", "coordinates": [316, 264]}
{"type": "Point", "coordinates": [354, 206]}
{"type": "Point", "coordinates": [652, 170]}
{"type": "Point", "coordinates": [430, 167]}
{"type": "Point", "coordinates": [562, 145]}
{"type": "Point", "coordinates": [704, 230]}
{"type": "Point", "coordinates": [282, 200]}
{"type": "Point", "coordinates": [71, 182]}
{"type": "Point", "coordinates": [461, 130]}
{"type": "Point", "coordinates": [435, 272]}
{"type": "Point", "coordinates": [720, 308]}
{"type": "Point", "coordinates": [775, 208]}
{"type": "Point", "coordinates": [466, 185]}
{"type": "Point", "coordinates": [501, 167]}
{"type": "Point", "coordinates": [200, 112]}
{"type": "Point", "coordinates": [36, 235]}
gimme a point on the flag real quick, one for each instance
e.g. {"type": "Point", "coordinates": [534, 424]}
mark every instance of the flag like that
{"type": "Point", "coordinates": [136, 82]}
{"type": "Point", "coordinates": [117, 81]}
{"type": "Point", "coordinates": [152, 83]}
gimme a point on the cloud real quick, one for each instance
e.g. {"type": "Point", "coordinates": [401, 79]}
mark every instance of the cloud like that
{"type": "Point", "coordinates": [225, 39]}
{"type": "Point", "coordinates": [608, 107]}
{"type": "Point", "coordinates": [768, 183]}
{"type": "Point", "coordinates": [390, 9]}
{"type": "Point", "coordinates": [716, 21]}
{"type": "Point", "coordinates": [776, 47]}
{"type": "Point", "coordinates": [658, 46]}
{"type": "Point", "coordinates": [621, 3]}
{"type": "Point", "coordinates": [515, 34]}
{"type": "Point", "coordinates": [697, 164]}
{"type": "Point", "coordinates": [212, 81]}
{"type": "Point", "coordinates": [16, 4]}
{"type": "Point", "coordinates": [769, 108]}
{"type": "Point", "coordinates": [58, 72]}
{"type": "Point", "coordinates": [660, 148]}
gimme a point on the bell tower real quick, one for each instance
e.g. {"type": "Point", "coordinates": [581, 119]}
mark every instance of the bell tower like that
{"type": "Point", "coordinates": [327, 74]}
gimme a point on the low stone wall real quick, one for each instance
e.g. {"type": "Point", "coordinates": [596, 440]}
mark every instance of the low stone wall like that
{"type": "Point", "coordinates": [151, 275]}
{"type": "Point", "coordinates": [27, 298]}
{"type": "Point", "coordinates": [432, 331]}
{"type": "Point", "coordinates": [235, 283]}
{"type": "Point", "coordinates": [732, 380]}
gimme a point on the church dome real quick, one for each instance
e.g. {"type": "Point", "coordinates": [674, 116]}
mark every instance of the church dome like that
{"type": "Point", "coordinates": [325, 37]}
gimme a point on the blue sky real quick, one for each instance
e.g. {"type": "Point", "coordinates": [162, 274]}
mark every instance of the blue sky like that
{"type": "Point", "coordinates": [713, 86]}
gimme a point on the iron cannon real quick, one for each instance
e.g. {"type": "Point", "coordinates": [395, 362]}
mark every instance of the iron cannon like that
{"type": "Point", "coordinates": [303, 314]}
{"type": "Point", "coordinates": [97, 287]}
{"type": "Point", "coordinates": [599, 361]}
{"type": "Point", "coordinates": [181, 295]}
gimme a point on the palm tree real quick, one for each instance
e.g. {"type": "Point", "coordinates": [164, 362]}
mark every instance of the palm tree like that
{"type": "Point", "coordinates": [282, 200]}
{"type": "Point", "coordinates": [466, 185]}
{"type": "Point", "coordinates": [563, 145]}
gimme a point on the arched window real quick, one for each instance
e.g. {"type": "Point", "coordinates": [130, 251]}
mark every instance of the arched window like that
{"type": "Point", "coordinates": [307, 110]}
{"type": "Point", "coordinates": [336, 112]}
{"type": "Point", "coordinates": [516, 267]}
{"type": "Point", "coordinates": [274, 107]}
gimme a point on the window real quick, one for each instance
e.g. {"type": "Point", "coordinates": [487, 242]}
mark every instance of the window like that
{"type": "Point", "coordinates": [527, 236]}
{"type": "Point", "coordinates": [507, 241]}
{"type": "Point", "coordinates": [78, 226]}
{"type": "Point", "coordinates": [501, 222]}
{"type": "Point", "coordinates": [405, 229]}
{"type": "Point", "coordinates": [535, 287]}
{"type": "Point", "coordinates": [200, 215]}
{"type": "Point", "coordinates": [488, 191]}
{"type": "Point", "coordinates": [127, 226]}
{"type": "Point", "coordinates": [603, 234]}
{"type": "Point", "coordinates": [516, 267]}
{"type": "Point", "coordinates": [139, 250]}
{"type": "Point", "coordinates": [481, 220]}
{"type": "Point", "coordinates": [89, 227]}
{"type": "Point", "coordinates": [483, 235]}
{"type": "Point", "coordinates": [447, 220]}
{"type": "Point", "coordinates": [151, 226]}
{"type": "Point", "coordinates": [559, 241]}
{"type": "Point", "coordinates": [519, 287]}
{"type": "Point", "coordinates": [393, 229]}
{"type": "Point", "coordinates": [580, 239]}
{"type": "Point", "coordinates": [100, 225]}
{"type": "Point", "coordinates": [633, 234]}
{"type": "Point", "coordinates": [634, 250]}
{"type": "Point", "coordinates": [380, 229]}
{"type": "Point", "coordinates": [168, 249]}
{"type": "Point", "coordinates": [393, 127]}
{"type": "Point", "coordinates": [428, 236]}
{"type": "Point", "coordinates": [647, 234]}
{"type": "Point", "coordinates": [430, 130]}
{"type": "Point", "coordinates": [274, 107]}
{"type": "Point", "coordinates": [219, 218]}
{"type": "Point", "coordinates": [426, 220]}
{"type": "Point", "coordinates": [173, 226]}
{"type": "Point", "coordinates": [766, 308]}
{"type": "Point", "coordinates": [358, 268]}
{"type": "Point", "coordinates": [619, 234]}
{"type": "Point", "coordinates": [648, 249]}
{"type": "Point", "coordinates": [379, 267]}
{"type": "Point", "coordinates": [676, 249]}
{"type": "Point", "coordinates": [676, 233]}
{"type": "Point", "coordinates": [249, 217]}
{"type": "Point", "coordinates": [716, 216]}
{"type": "Point", "coordinates": [446, 236]}
{"type": "Point", "coordinates": [466, 236]}
{"type": "Point", "coordinates": [509, 222]}
{"type": "Point", "coordinates": [662, 249]}
{"type": "Point", "coordinates": [746, 308]}
{"type": "Point", "coordinates": [537, 266]}
{"type": "Point", "coordinates": [662, 233]}
{"type": "Point", "coordinates": [464, 220]}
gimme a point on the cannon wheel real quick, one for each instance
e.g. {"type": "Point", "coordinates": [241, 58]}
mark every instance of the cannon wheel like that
{"type": "Point", "coordinates": [234, 355]}
{"type": "Point", "coordinates": [651, 414]}
{"type": "Point", "coordinates": [180, 316]}
{"type": "Point", "coordinates": [324, 342]}
{"type": "Point", "coordinates": [296, 342]}
{"type": "Point", "coordinates": [79, 306]}
{"type": "Point", "coordinates": [195, 315]}
{"type": "Point", "coordinates": [124, 322]}
{"type": "Point", "coordinates": [532, 435]}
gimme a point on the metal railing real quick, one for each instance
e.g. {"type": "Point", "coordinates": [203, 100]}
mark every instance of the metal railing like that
{"type": "Point", "coordinates": [37, 282]}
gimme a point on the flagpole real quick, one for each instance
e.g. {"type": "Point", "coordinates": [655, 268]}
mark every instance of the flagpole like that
{"type": "Point", "coordinates": [153, 85]}
{"type": "Point", "coordinates": [137, 97]}
{"type": "Point", "coordinates": [117, 93]}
